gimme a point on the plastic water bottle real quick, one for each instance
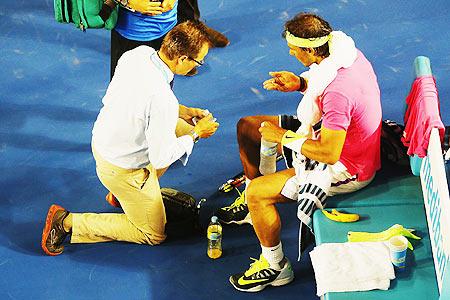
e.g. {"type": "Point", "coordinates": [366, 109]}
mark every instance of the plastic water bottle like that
{"type": "Point", "coordinates": [268, 157]}
{"type": "Point", "coordinates": [214, 234]}
{"type": "Point", "coordinates": [205, 112]}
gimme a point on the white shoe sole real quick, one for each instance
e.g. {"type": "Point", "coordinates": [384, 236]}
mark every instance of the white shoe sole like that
{"type": "Point", "coordinates": [246, 220]}
{"type": "Point", "coordinates": [279, 282]}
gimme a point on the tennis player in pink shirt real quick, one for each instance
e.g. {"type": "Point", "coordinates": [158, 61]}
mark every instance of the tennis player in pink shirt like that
{"type": "Point", "coordinates": [341, 89]}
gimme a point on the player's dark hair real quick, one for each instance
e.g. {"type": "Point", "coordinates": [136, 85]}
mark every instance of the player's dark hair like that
{"type": "Point", "coordinates": [306, 25]}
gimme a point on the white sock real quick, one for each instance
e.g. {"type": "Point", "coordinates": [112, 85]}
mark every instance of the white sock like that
{"type": "Point", "coordinates": [247, 183]}
{"type": "Point", "coordinates": [273, 255]}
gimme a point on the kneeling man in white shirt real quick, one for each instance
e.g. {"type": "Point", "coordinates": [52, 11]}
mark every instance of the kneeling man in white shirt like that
{"type": "Point", "coordinates": [140, 131]}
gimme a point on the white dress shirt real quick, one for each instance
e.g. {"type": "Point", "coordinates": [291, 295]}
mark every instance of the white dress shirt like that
{"type": "Point", "coordinates": [136, 125]}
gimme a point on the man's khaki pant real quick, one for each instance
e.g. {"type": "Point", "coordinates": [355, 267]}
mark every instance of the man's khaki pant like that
{"type": "Point", "coordinates": [138, 191]}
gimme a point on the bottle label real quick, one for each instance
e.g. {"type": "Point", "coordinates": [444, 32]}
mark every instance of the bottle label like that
{"type": "Point", "coordinates": [214, 236]}
{"type": "Point", "coordinates": [268, 151]}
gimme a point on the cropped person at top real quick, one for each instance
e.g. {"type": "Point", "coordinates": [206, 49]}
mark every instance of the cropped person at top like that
{"type": "Point", "coordinates": [144, 22]}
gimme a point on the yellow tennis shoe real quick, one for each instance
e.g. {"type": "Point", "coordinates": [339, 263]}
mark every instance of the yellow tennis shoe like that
{"type": "Point", "coordinates": [260, 274]}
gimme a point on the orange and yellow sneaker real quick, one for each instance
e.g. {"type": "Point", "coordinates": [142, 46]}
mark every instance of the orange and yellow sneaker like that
{"type": "Point", "coordinates": [112, 200]}
{"type": "Point", "coordinates": [54, 234]}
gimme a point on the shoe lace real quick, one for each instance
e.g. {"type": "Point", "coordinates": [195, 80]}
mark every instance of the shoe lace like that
{"type": "Point", "coordinates": [257, 265]}
{"type": "Point", "coordinates": [53, 236]}
{"type": "Point", "coordinates": [240, 200]}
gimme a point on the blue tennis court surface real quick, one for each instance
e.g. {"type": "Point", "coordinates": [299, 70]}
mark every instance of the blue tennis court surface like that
{"type": "Point", "coordinates": [53, 79]}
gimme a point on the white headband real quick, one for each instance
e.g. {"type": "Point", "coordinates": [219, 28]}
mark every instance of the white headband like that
{"type": "Point", "coordinates": [306, 42]}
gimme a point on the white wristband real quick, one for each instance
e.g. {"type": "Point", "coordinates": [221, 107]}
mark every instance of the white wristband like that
{"type": "Point", "coordinates": [296, 145]}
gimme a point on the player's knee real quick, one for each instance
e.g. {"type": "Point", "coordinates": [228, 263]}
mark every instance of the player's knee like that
{"type": "Point", "coordinates": [243, 126]}
{"type": "Point", "coordinates": [152, 239]}
{"type": "Point", "coordinates": [252, 196]}
{"type": "Point", "coordinates": [246, 129]}
{"type": "Point", "coordinates": [247, 126]}
{"type": "Point", "coordinates": [155, 242]}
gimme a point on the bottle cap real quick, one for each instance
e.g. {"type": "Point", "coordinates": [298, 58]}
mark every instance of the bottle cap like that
{"type": "Point", "coordinates": [214, 219]}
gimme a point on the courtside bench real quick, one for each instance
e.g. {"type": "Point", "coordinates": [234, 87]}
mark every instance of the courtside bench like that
{"type": "Point", "coordinates": [428, 266]}
{"type": "Point", "coordinates": [418, 280]}
{"type": "Point", "coordinates": [393, 185]}
{"type": "Point", "coordinates": [398, 198]}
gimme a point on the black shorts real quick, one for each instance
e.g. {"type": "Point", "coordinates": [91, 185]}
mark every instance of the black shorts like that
{"type": "Point", "coordinates": [292, 123]}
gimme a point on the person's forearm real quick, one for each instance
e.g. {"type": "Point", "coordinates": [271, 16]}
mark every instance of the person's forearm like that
{"type": "Point", "coordinates": [106, 10]}
{"type": "Point", "coordinates": [174, 148]}
{"type": "Point", "coordinates": [111, 3]}
{"type": "Point", "coordinates": [313, 149]}
{"type": "Point", "coordinates": [182, 111]}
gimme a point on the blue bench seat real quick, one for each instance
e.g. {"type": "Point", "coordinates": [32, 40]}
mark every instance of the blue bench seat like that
{"type": "Point", "coordinates": [418, 281]}
{"type": "Point", "coordinates": [390, 186]}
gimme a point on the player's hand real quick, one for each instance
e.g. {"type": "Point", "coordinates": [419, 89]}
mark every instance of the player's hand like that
{"type": "Point", "coordinates": [168, 5]}
{"type": "Point", "coordinates": [146, 7]}
{"type": "Point", "coordinates": [206, 127]}
{"type": "Point", "coordinates": [282, 81]}
{"type": "Point", "coordinates": [271, 133]}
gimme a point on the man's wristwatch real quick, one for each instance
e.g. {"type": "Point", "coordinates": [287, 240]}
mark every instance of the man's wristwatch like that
{"type": "Point", "coordinates": [195, 136]}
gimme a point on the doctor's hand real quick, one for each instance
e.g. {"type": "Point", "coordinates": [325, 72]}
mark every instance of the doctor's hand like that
{"type": "Point", "coordinates": [282, 81]}
{"type": "Point", "coordinates": [271, 133]}
{"type": "Point", "coordinates": [192, 114]}
{"type": "Point", "coordinates": [146, 7]}
{"type": "Point", "coordinates": [206, 127]}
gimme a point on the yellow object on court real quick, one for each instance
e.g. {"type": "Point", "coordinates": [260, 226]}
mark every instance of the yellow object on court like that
{"type": "Point", "coordinates": [337, 216]}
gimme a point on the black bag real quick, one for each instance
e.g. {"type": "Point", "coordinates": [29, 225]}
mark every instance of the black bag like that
{"type": "Point", "coordinates": [182, 213]}
{"type": "Point", "coordinates": [446, 153]}
{"type": "Point", "coordinates": [446, 143]}
{"type": "Point", "coordinates": [392, 148]}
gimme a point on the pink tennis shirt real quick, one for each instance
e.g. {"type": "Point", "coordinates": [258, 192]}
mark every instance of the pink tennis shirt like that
{"type": "Point", "coordinates": [351, 102]}
{"type": "Point", "coordinates": [422, 115]}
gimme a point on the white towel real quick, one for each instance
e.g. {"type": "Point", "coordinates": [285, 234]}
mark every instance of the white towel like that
{"type": "Point", "coordinates": [315, 177]}
{"type": "Point", "coordinates": [314, 183]}
{"type": "Point", "coordinates": [347, 267]}
{"type": "Point", "coordinates": [343, 54]}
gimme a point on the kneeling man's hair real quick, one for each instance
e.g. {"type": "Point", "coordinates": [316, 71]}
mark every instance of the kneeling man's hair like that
{"type": "Point", "coordinates": [186, 38]}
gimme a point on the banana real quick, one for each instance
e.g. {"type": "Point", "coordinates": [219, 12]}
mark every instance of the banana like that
{"type": "Point", "coordinates": [337, 216]}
